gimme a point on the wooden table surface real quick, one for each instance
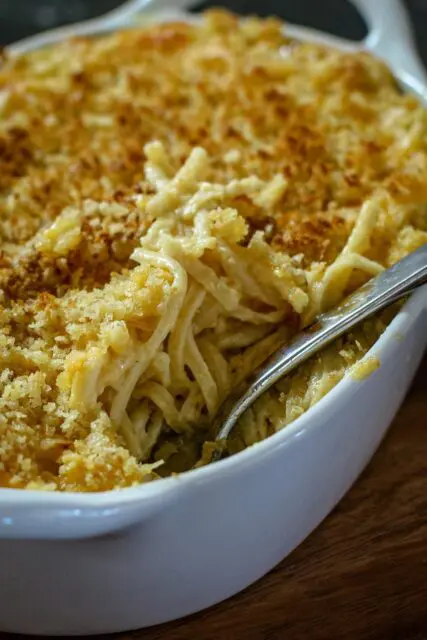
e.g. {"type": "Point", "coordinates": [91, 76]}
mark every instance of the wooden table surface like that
{"type": "Point", "coordinates": [362, 574]}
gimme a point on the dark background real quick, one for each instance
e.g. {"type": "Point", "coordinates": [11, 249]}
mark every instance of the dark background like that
{"type": "Point", "coordinates": [20, 18]}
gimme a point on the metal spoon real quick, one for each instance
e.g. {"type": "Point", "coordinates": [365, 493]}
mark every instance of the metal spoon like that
{"type": "Point", "coordinates": [377, 294]}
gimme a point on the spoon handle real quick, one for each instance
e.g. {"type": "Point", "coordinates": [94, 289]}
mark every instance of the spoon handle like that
{"type": "Point", "coordinates": [374, 296]}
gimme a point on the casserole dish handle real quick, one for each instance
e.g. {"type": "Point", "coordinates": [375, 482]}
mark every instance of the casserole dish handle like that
{"type": "Point", "coordinates": [55, 516]}
{"type": "Point", "coordinates": [391, 38]}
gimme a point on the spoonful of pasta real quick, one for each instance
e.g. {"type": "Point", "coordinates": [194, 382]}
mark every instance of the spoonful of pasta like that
{"type": "Point", "coordinates": [377, 294]}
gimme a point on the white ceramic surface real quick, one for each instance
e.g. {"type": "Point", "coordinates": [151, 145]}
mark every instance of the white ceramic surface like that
{"type": "Point", "coordinates": [82, 564]}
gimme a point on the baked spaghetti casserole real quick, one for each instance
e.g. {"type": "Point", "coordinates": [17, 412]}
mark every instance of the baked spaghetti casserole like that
{"type": "Point", "coordinates": [175, 201]}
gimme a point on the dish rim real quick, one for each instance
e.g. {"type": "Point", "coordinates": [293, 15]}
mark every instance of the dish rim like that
{"type": "Point", "coordinates": [120, 497]}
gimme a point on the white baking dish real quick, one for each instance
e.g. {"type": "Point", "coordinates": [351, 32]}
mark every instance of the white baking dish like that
{"type": "Point", "coordinates": [100, 563]}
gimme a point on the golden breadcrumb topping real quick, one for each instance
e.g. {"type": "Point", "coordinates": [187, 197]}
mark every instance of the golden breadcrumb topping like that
{"type": "Point", "coordinates": [114, 222]}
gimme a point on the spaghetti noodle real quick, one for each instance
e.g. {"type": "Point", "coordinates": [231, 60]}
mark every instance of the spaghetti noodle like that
{"type": "Point", "coordinates": [145, 272]}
